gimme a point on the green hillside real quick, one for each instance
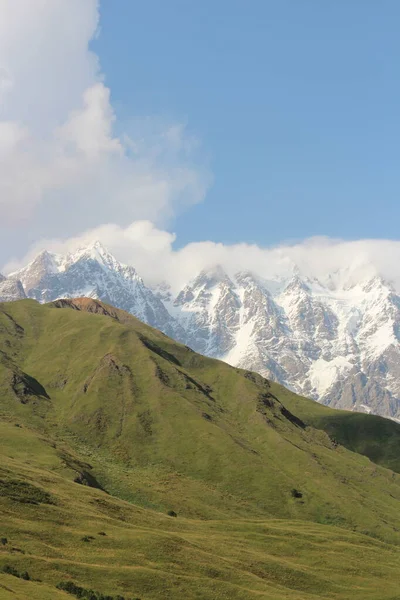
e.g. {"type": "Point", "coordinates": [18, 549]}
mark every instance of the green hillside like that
{"type": "Point", "coordinates": [373, 436]}
{"type": "Point", "coordinates": [107, 425]}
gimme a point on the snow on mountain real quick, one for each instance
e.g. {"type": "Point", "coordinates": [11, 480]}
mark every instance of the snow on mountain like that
{"type": "Point", "coordinates": [207, 311]}
{"type": "Point", "coordinates": [95, 273]}
{"type": "Point", "coordinates": [10, 290]}
{"type": "Point", "coordinates": [336, 340]}
{"type": "Point", "coordinates": [339, 344]}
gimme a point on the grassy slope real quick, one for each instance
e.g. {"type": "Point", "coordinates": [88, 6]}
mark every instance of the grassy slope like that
{"type": "Point", "coordinates": [373, 436]}
{"type": "Point", "coordinates": [17, 589]}
{"type": "Point", "coordinates": [149, 555]}
{"type": "Point", "coordinates": [132, 403]}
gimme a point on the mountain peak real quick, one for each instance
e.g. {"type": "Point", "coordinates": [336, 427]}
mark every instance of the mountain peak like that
{"type": "Point", "coordinates": [376, 283]}
{"type": "Point", "coordinates": [297, 285]}
{"type": "Point", "coordinates": [93, 251]}
{"type": "Point", "coordinates": [93, 247]}
{"type": "Point", "coordinates": [97, 246]}
{"type": "Point", "coordinates": [10, 290]}
{"type": "Point", "coordinates": [44, 264]}
{"type": "Point", "coordinates": [46, 260]}
{"type": "Point", "coordinates": [212, 276]}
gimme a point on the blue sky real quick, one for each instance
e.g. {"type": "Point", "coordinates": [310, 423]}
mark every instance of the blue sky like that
{"type": "Point", "coordinates": [296, 105]}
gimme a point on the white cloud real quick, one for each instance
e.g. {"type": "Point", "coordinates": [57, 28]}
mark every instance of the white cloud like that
{"type": "Point", "coordinates": [45, 64]}
{"type": "Point", "coordinates": [62, 167]}
{"type": "Point", "coordinates": [89, 131]}
{"type": "Point", "coordinates": [151, 251]}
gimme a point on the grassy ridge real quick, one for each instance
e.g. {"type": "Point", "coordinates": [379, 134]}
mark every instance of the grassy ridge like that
{"type": "Point", "coordinates": [268, 506]}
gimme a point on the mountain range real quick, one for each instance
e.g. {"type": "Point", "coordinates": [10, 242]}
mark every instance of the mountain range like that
{"type": "Point", "coordinates": [336, 339]}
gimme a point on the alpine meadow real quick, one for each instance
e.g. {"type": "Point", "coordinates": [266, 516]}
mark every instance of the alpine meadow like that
{"type": "Point", "coordinates": [134, 467]}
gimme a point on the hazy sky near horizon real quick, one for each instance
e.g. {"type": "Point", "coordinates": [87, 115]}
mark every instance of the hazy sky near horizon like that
{"type": "Point", "coordinates": [262, 122]}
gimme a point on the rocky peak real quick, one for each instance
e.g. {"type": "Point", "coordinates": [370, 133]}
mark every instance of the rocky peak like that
{"type": "Point", "coordinates": [43, 265]}
{"type": "Point", "coordinates": [296, 285]}
{"type": "Point", "coordinates": [208, 309]}
{"type": "Point", "coordinates": [258, 303]}
{"type": "Point", "coordinates": [93, 252]}
{"type": "Point", "coordinates": [11, 290]}
{"type": "Point", "coordinates": [377, 284]}
{"type": "Point", "coordinates": [93, 272]}
{"type": "Point", "coordinates": [210, 278]}
{"type": "Point", "coordinates": [206, 287]}
{"type": "Point", "coordinates": [246, 278]}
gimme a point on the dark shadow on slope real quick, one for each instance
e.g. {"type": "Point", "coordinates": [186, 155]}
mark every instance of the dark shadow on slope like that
{"type": "Point", "coordinates": [373, 436]}
{"type": "Point", "coordinates": [268, 402]}
{"type": "Point", "coordinates": [86, 478]}
{"type": "Point", "coordinates": [19, 330]}
{"type": "Point", "coordinates": [292, 418]}
{"type": "Point", "coordinates": [153, 347]}
{"type": "Point", "coordinates": [83, 471]}
{"type": "Point", "coordinates": [203, 388]}
{"type": "Point", "coordinates": [25, 386]}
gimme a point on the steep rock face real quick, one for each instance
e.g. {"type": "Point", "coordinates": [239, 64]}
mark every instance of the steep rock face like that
{"type": "Point", "coordinates": [11, 290]}
{"type": "Point", "coordinates": [336, 340]}
{"type": "Point", "coordinates": [263, 328]}
{"type": "Point", "coordinates": [208, 311]}
{"type": "Point", "coordinates": [337, 344]}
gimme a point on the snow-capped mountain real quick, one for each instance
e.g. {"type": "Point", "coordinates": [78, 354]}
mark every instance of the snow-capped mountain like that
{"type": "Point", "coordinates": [10, 289]}
{"type": "Point", "coordinates": [95, 273]}
{"type": "Point", "coordinates": [336, 340]}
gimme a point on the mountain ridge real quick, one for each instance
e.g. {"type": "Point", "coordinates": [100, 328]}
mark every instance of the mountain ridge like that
{"type": "Point", "coordinates": [336, 341]}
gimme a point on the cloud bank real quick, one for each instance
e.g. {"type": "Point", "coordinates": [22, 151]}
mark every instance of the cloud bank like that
{"type": "Point", "coordinates": [151, 251]}
{"type": "Point", "coordinates": [63, 168]}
